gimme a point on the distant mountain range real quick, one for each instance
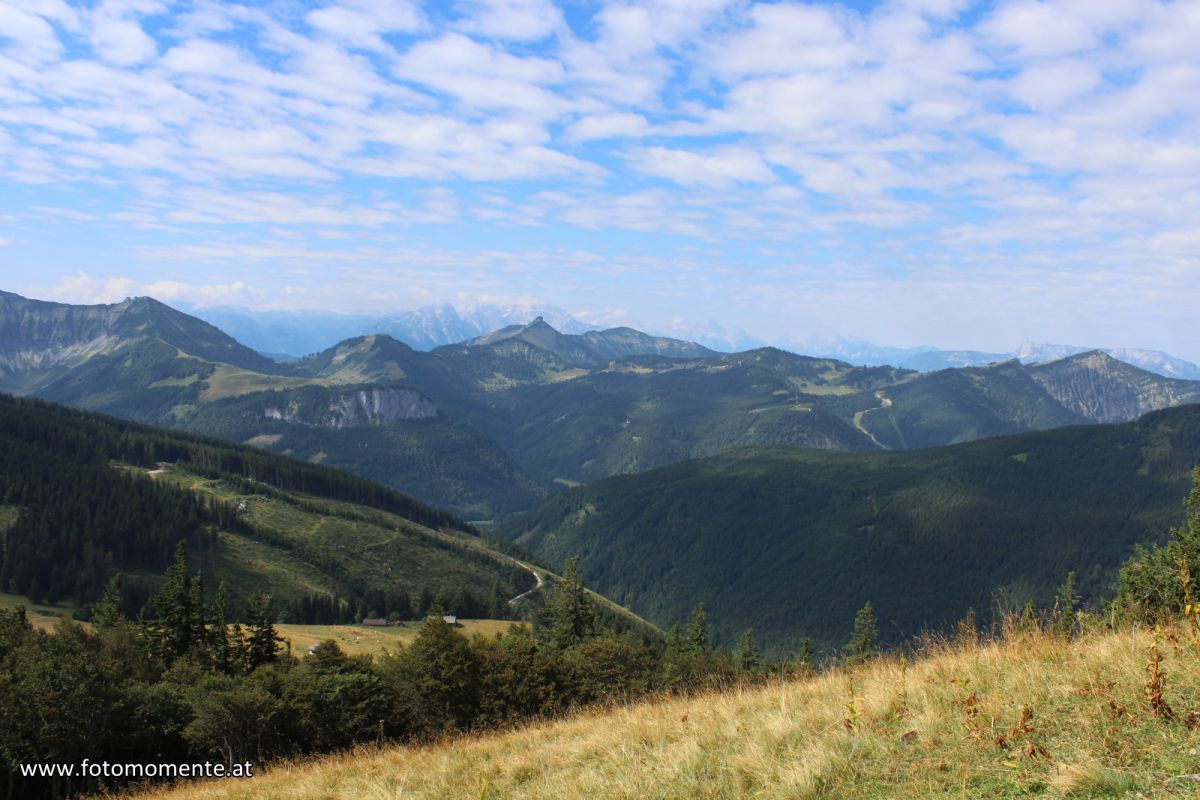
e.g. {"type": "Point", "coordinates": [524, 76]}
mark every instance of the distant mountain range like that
{"type": "Point", "coordinates": [286, 335]}
{"type": "Point", "coordinates": [495, 423]}
{"type": "Point", "coordinates": [291, 334]}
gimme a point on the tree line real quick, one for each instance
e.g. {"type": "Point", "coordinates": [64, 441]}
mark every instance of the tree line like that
{"type": "Point", "coordinates": [185, 682]}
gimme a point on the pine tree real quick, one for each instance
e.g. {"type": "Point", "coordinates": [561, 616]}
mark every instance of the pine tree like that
{"type": "Point", "coordinates": [262, 640]}
{"type": "Point", "coordinates": [219, 646]}
{"type": "Point", "coordinates": [804, 657]}
{"type": "Point", "coordinates": [746, 656]}
{"type": "Point", "coordinates": [1064, 607]}
{"type": "Point", "coordinates": [175, 631]}
{"type": "Point", "coordinates": [864, 639]}
{"type": "Point", "coordinates": [697, 631]}
{"type": "Point", "coordinates": [1158, 580]}
{"type": "Point", "coordinates": [107, 613]}
{"type": "Point", "coordinates": [572, 618]}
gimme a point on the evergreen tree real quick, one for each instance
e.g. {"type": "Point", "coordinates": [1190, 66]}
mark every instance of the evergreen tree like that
{"type": "Point", "coordinates": [262, 640]}
{"type": "Point", "coordinates": [175, 631]}
{"type": "Point", "coordinates": [219, 646]}
{"type": "Point", "coordinates": [1065, 605]}
{"type": "Point", "coordinates": [864, 639]}
{"type": "Point", "coordinates": [697, 636]}
{"type": "Point", "coordinates": [107, 613]}
{"type": "Point", "coordinates": [1158, 579]}
{"type": "Point", "coordinates": [804, 657]}
{"type": "Point", "coordinates": [437, 678]}
{"type": "Point", "coordinates": [746, 657]}
{"type": "Point", "coordinates": [571, 616]}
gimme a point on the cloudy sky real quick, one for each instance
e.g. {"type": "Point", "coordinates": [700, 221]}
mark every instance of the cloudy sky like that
{"type": "Point", "coordinates": [908, 171]}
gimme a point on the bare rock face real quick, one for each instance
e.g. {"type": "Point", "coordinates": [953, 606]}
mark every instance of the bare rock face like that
{"type": "Point", "coordinates": [1104, 389]}
{"type": "Point", "coordinates": [364, 407]}
{"type": "Point", "coordinates": [380, 407]}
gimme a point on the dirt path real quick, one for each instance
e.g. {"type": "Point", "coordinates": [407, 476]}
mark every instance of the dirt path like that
{"type": "Point", "coordinates": [540, 581]}
{"type": "Point", "coordinates": [884, 402]}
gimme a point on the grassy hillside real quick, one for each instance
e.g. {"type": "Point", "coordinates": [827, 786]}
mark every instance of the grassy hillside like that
{"type": "Point", "coordinates": [365, 640]}
{"type": "Point", "coordinates": [352, 639]}
{"type": "Point", "coordinates": [300, 544]}
{"type": "Point", "coordinates": [86, 495]}
{"type": "Point", "coordinates": [791, 543]}
{"type": "Point", "coordinates": [1032, 717]}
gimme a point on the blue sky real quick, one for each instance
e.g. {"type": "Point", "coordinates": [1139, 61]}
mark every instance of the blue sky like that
{"type": "Point", "coordinates": [907, 171]}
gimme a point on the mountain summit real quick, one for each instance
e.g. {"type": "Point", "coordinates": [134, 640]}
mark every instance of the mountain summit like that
{"type": "Point", "coordinates": [593, 348]}
{"type": "Point", "coordinates": [39, 340]}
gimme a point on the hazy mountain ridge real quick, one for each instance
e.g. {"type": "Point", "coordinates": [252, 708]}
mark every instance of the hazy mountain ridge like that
{"type": "Point", "coordinates": [593, 348]}
{"type": "Point", "coordinates": [300, 333]}
{"type": "Point", "coordinates": [297, 333]}
{"type": "Point", "coordinates": [489, 425]}
{"type": "Point", "coordinates": [1154, 361]}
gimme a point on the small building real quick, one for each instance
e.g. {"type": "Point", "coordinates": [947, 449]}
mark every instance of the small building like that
{"type": "Point", "coordinates": [450, 619]}
{"type": "Point", "coordinates": [374, 622]}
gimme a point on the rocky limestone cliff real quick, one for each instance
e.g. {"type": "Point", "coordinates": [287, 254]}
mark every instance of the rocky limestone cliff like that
{"type": "Point", "coordinates": [1104, 389]}
{"type": "Point", "coordinates": [375, 406]}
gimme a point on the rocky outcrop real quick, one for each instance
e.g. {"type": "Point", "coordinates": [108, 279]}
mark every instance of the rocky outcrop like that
{"type": "Point", "coordinates": [1103, 389]}
{"type": "Point", "coordinates": [380, 407]}
{"type": "Point", "coordinates": [364, 407]}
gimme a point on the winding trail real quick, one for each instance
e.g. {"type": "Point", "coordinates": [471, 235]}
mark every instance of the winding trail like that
{"type": "Point", "coordinates": [540, 581]}
{"type": "Point", "coordinates": [884, 402]}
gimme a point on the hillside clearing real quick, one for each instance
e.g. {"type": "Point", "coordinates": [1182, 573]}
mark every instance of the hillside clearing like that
{"type": "Point", "coordinates": [358, 639]}
{"type": "Point", "coordinates": [1033, 717]}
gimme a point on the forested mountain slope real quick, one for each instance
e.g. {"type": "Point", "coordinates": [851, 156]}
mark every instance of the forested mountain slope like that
{"type": "Point", "coordinates": [791, 543]}
{"type": "Point", "coordinates": [86, 496]}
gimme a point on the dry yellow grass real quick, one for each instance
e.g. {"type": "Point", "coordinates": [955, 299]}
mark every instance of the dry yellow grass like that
{"type": "Point", "coordinates": [41, 616]}
{"type": "Point", "coordinates": [230, 381]}
{"type": "Point", "coordinates": [949, 725]}
{"type": "Point", "coordinates": [360, 639]}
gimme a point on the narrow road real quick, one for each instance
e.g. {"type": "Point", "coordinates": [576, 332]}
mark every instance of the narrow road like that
{"type": "Point", "coordinates": [536, 575]}
{"type": "Point", "coordinates": [858, 417]}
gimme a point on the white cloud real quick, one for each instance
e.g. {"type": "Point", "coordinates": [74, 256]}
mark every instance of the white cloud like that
{"type": "Point", "coordinates": [483, 77]}
{"type": "Point", "coordinates": [84, 288]}
{"type": "Point", "coordinates": [1035, 28]}
{"type": "Point", "coordinates": [518, 20]}
{"type": "Point", "coordinates": [607, 126]}
{"type": "Point", "coordinates": [716, 168]}
{"type": "Point", "coordinates": [362, 23]}
{"type": "Point", "coordinates": [116, 34]}
{"type": "Point", "coordinates": [27, 36]}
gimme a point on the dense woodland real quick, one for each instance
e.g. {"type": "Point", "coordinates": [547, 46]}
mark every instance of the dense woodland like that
{"type": "Point", "coordinates": [796, 540]}
{"type": "Point", "coordinates": [77, 516]}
